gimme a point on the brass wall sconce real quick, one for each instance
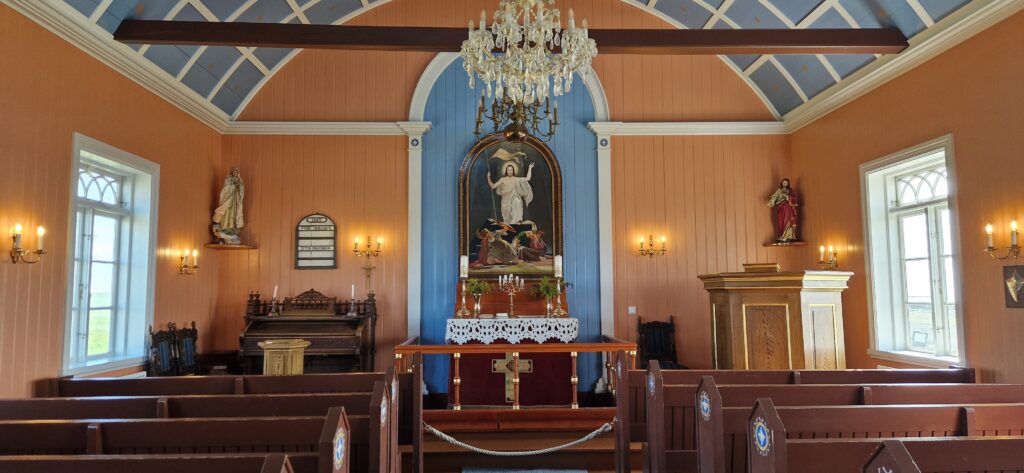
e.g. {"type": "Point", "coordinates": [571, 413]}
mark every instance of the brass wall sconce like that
{"type": "Point", "coordinates": [369, 251]}
{"type": "Point", "coordinates": [647, 247]}
{"type": "Point", "coordinates": [832, 262]}
{"type": "Point", "coordinates": [1012, 252]}
{"type": "Point", "coordinates": [188, 261]}
{"type": "Point", "coordinates": [18, 253]}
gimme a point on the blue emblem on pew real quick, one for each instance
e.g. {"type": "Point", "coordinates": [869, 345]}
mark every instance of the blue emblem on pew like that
{"type": "Point", "coordinates": [339, 449]}
{"type": "Point", "coordinates": [761, 435]}
{"type": "Point", "coordinates": [705, 406]}
{"type": "Point", "coordinates": [383, 411]}
{"type": "Point", "coordinates": [650, 384]}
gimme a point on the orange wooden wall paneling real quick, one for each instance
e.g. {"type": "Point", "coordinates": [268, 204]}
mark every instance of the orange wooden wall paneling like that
{"type": "Point", "coordinates": [972, 91]}
{"type": "Point", "coordinates": [358, 181]}
{"type": "Point", "coordinates": [50, 91]}
{"type": "Point", "coordinates": [707, 195]}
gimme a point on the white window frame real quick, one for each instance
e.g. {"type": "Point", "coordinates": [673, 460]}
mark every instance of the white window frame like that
{"type": "Point", "coordinates": [136, 254]}
{"type": "Point", "coordinates": [884, 343]}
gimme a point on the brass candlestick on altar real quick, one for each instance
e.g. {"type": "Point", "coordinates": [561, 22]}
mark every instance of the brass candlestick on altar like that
{"type": "Point", "coordinates": [559, 311]}
{"type": "Point", "coordinates": [464, 311]}
{"type": "Point", "coordinates": [511, 285]}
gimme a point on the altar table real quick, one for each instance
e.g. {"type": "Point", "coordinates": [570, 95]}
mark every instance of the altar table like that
{"type": "Point", "coordinates": [488, 379]}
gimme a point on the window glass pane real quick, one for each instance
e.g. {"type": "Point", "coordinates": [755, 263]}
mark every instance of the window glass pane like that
{"type": "Point", "coordinates": [920, 328]}
{"type": "Point", "coordinates": [918, 279]}
{"type": "Point", "coordinates": [104, 238]}
{"type": "Point", "coordinates": [101, 285]}
{"type": "Point", "coordinates": [947, 239]}
{"type": "Point", "coordinates": [922, 186]}
{"type": "Point", "coordinates": [951, 329]}
{"type": "Point", "coordinates": [914, 229]}
{"type": "Point", "coordinates": [99, 187]}
{"type": "Point", "coordinates": [949, 290]}
{"type": "Point", "coordinates": [99, 332]}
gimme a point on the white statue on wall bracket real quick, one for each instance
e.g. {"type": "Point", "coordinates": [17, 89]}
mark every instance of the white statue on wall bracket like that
{"type": "Point", "coordinates": [227, 217]}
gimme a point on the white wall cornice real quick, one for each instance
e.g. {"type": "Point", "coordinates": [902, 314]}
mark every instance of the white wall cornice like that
{"type": "Point", "coordinates": [71, 26]}
{"type": "Point", "coordinates": [686, 128]}
{"type": "Point", "coordinates": [951, 31]}
{"type": "Point", "coordinates": [328, 128]}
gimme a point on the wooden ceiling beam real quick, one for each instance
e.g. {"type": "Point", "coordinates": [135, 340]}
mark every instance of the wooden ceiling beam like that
{"type": "Point", "coordinates": [432, 39]}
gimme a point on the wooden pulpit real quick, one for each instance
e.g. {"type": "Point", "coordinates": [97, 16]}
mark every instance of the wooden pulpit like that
{"type": "Point", "coordinates": [766, 319]}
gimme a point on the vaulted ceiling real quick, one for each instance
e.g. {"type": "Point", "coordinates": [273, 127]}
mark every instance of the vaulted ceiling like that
{"type": "Point", "coordinates": [226, 77]}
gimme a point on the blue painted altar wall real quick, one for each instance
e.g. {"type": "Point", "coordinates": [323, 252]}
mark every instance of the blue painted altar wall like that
{"type": "Point", "coordinates": [451, 108]}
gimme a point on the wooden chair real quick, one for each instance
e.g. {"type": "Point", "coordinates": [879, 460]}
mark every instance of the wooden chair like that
{"type": "Point", "coordinates": [657, 341]}
{"type": "Point", "coordinates": [187, 360]}
{"type": "Point", "coordinates": [161, 352]}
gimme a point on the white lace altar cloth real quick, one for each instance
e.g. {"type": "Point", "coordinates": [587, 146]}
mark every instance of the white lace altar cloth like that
{"type": "Point", "coordinates": [487, 331]}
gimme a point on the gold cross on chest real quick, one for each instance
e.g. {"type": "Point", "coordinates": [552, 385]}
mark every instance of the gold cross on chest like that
{"type": "Point", "coordinates": [504, 365]}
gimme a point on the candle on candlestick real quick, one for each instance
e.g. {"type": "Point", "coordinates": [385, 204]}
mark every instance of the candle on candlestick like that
{"type": "Point", "coordinates": [16, 232]}
{"type": "Point", "coordinates": [558, 266]}
{"type": "Point", "coordinates": [275, 293]}
{"type": "Point", "coordinates": [353, 292]}
{"type": "Point", "coordinates": [988, 235]}
{"type": "Point", "coordinates": [40, 233]}
{"type": "Point", "coordinates": [355, 246]}
{"type": "Point", "coordinates": [463, 266]}
{"type": "Point", "coordinates": [1013, 233]}
{"type": "Point", "coordinates": [821, 250]}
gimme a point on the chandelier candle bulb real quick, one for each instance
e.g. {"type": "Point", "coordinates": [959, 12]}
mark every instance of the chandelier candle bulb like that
{"type": "Point", "coordinates": [40, 233]}
{"type": "Point", "coordinates": [821, 250]}
{"type": "Point", "coordinates": [1013, 233]}
{"type": "Point", "coordinates": [988, 235]}
{"type": "Point", "coordinates": [195, 257]}
{"type": "Point", "coordinates": [16, 233]}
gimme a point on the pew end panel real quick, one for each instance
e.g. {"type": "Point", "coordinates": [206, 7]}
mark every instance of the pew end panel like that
{"type": "Point", "coordinates": [891, 456]}
{"type": "Point", "coordinates": [710, 433]}
{"type": "Point", "coordinates": [380, 404]}
{"type": "Point", "coordinates": [654, 449]}
{"type": "Point", "coordinates": [766, 439]}
{"type": "Point", "coordinates": [335, 444]}
{"type": "Point", "coordinates": [277, 464]}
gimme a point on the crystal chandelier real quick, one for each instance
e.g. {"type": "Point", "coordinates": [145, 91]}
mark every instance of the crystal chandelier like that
{"type": "Point", "coordinates": [526, 71]}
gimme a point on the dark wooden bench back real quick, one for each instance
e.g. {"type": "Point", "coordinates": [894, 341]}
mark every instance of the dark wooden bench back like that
{"type": "Point", "coordinates": [967, 455]}
{"type": "Point", "coordinates": [274, 463]}
{"type": "Point", "coordinates": [187, 385]}
{"type": "Point", "coordinates": [802, 426]}
{"type": "Point", "coordinates": [80, 408]}
{"type": "Point", "coordinates": [335, 452]}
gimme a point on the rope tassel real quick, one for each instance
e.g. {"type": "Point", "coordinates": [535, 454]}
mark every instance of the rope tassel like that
{"type": "Point", "coordinates": [607, 427]}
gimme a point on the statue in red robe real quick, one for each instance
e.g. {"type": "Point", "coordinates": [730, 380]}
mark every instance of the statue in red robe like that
{"type": "Point", "coordinates": [784, 203]}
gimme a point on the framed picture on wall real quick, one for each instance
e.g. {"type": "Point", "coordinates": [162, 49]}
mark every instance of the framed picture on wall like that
{"type": "Point", "coordinates": [1013, 288]}
{"type": "Point", "coordinates": [510, 208]}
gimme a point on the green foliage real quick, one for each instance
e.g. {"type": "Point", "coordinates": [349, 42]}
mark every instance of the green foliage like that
{"type": "Point", "coordinates": [477, 287]}
{"type": "Point", "coordinates": [546, 288]}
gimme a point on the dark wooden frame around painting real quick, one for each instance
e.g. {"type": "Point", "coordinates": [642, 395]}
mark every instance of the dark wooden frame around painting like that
{"type": "Point", "coordinates": [1013, 279]}
{"type": "Point", "coordinates": [481, 215]}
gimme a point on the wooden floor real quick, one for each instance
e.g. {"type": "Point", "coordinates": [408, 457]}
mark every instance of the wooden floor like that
{"type": "Point", "coordinates": [527, 429]}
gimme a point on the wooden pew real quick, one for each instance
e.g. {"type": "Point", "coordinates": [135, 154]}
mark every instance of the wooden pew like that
{"type": "Point", "coordinates": [309, 440]}
{"type": "Point", "coordinates": [840, 438]}
{"type": "Point", "coordinates": [274, 463]}
{"type": "Point", "coordinates": [186, 385]}
{"type": "Point", "coordinates": [153, 407]}
{"type": "Point", "coordinates": [966, 455]}
{"type": "Point", "coordinates": [633, 387]}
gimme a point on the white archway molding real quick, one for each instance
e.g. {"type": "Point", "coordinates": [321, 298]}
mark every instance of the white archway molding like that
{"type": "Point", "coordinates": [417, 112]}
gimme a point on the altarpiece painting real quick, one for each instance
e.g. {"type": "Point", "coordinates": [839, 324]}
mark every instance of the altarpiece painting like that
{"type": "Point", "coordinates": [510, 208]}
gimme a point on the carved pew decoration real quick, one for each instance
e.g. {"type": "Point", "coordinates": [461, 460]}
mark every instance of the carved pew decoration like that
{"type": "Point", "coordinates": [766, 439]}
{"type": "Point", "coordinates": [395, 459]}
{"type": "Point", "coordinates": [336, 442]}
{"type": "Point", "coordinates": [655, 395]}
{"type": "Point", "coordinates": [710, 430]}
{"type": "Point", "coordinates": [891, 457]}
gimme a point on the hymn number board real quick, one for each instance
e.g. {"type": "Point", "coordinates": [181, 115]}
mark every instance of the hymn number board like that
{"type": "Point", "coordinates": [316, 238]}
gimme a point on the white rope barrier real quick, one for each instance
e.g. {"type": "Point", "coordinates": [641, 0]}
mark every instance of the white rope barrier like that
{"type": "Point", "coordinates": [607, 427]}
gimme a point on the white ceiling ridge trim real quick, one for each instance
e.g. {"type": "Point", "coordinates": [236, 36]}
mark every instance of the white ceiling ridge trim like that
{"type": "Point", "coordinates": [328, 128]}
{"type": "Point", "coordinates": [687, 128]}
{"type": "Point", "coordinates": [60, 19]}
{"type": "Point", "coordinates": [951, 31]}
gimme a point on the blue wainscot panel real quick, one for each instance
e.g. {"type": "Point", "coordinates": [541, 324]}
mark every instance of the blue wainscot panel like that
{"type": "Point", "coordinates": [452, 108]}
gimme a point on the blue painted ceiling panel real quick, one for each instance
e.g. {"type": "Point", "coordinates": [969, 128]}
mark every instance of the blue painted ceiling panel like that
{"type": "Point", "coordinates": [687, 12]}
{"type": "Point", "coordinates": [267, 11]}
{"type": "Point", "coordinates": [811, 76]}
{"type": "Point", "coordinates": [808, 72]}
{"type": "Point", "coordinates": [327, 12]}
{"type": "Point", "coordinates": [170, 58]}
{"type": "Point", "coordinates": [797, 10]}
{"type": "Point", "coordinates": [776, 88]}
{"type": "Point", "coordinates": [751, 14]}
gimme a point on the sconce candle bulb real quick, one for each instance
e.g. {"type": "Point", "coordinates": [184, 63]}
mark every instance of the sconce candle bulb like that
{"type": "Point", "coordinates": [1013, 233]}
{"type": "Point", "coordinates": [188, 261]}
{"type": "Point", "coordinates": [1012, 252]}
{"type": "Point", "coordinates": [831, 261]}
{"type": "Point", "coordinates": [647, 246]}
